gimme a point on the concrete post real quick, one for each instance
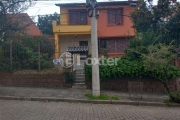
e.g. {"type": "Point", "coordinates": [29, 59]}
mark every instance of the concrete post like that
{"type": "Point", "coordinates": [11, 55]}
{"type": "Point", "coordinates": [176, 61]}
{"type": "Point", "coordinates": [178, 84]}
{"type": "Point", "coordinates": [39, 57]}
{"type": "Point", "coordinates": [94, 43]}
{"type": "Point", "coordinates": [57, 46]}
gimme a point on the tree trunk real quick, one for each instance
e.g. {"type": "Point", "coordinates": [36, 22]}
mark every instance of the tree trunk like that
{"type": "Point", "coordinates": [166, 86]}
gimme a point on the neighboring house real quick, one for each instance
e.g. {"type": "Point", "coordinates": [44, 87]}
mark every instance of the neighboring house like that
{"type": "Point", "coordinates": [74, 30]}
{"type": "Point", "coordinates": [24, 23]}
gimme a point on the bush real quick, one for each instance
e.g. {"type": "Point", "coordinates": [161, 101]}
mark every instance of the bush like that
{"type": "Point", "coordinates": [5, 64]}
{"type": "Point", "coordinates": [25, 53]}
{"type": "Point", "coordinates": [69, 77]}
{"type": "Point", "coordinates": [127, 67]}
{"type": "Point", "coordinates": [124, 68]}
{"type": "Point", "coordinates": [175, 97]}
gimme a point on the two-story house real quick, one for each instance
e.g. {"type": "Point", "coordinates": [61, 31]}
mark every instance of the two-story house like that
{"type": "Point", "coordinates": [73, 34]}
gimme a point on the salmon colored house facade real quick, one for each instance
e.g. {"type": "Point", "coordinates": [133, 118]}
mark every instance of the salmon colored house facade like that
{"type": "Point", "coordinates": [74, 30]}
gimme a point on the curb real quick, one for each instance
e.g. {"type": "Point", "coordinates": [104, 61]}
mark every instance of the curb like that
{"type": "Point", "coordinates": [48, 99]}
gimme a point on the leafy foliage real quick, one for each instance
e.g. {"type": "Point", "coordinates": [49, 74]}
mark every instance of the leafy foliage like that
{"type": "Point", "coordinates": [25, 53]}
{"type": "Point", "coordinates": [157, 36]}
{"type": "Point", "coordinates": [162, 19]}
{"type": "Point", "coordinates": [148, 66]}
{"type": "Point", "coordinates": [68, 76]}
{"type": "Point", "coordinates": [45, 23]}
{"type": "Point", "coordinates": [174, 97]}
{"type": "Point", "coordinates": [10, 19]}
{"type": "Point", "coordinates": [158, 63]}
{"type": "Point", "coordinates": [124, 68]}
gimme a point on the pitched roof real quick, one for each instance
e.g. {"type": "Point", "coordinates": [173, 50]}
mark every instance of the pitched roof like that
{"type": "Point", "coordinates": [24, 20]}
{"type": "Point", "coordinates": [112, 3]}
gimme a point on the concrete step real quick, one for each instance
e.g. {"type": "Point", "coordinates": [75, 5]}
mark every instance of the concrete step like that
{"type": "Point", "coordinates": [79, 86]}
{"type": "Point", "coordinates": [80, 79]}
{"type": "Point", "coordinates": [78, 70]}
{"type": "Point", "coordinates": [80, 75]}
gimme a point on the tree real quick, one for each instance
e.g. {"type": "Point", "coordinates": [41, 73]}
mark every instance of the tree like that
{"type": "Point", "coordinates": [9, 10]}
{"type": "Point", "coordinates": [25, 53]}
{"type": "Point", "coordinates": [158, 63]}
{"type": "Point", "coordinates": [138, 45]}
{"type": "Point", "coordinates": [157, 36]}
{"type": "Point", "coordinates": [162, 19]}
{"type": "Point", "coordinates": [45, 23]}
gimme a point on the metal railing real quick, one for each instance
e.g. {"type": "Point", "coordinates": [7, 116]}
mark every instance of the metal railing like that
{"type": "Point", "coordinates": [15, 56]}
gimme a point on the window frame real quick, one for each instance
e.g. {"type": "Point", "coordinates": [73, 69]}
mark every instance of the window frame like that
{"type": "Point", "coordinates": [121, 17]}
{"type": "Point", "coordinates": [103, 44]}
{"type": "Point", "coordinates": [83, 42]}
{"type": "Point", "coordinates": [79, 19]}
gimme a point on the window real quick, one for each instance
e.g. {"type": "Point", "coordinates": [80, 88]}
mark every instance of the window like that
{"type": "Point", "coordinates": [78, 18]}
{"type": "Point", "coordinates": [83, 43]}
{"type": "Point", "coordinates": [115, 17]}
{"type": "Point", "coordinates": [113, 45]}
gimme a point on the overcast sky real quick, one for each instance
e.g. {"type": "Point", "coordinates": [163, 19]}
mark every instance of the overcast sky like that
{"type": "Point", "coordinates": [48, 7]}
{"type": "Point", "coordinates": [43, 7]}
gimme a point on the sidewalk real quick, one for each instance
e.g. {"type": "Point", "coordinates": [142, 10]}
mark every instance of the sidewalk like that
{"type": "Point", "coordinates": [69, 93]}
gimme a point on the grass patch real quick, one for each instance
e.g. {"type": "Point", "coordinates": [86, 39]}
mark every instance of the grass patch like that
{"type": "Point", "coordinates": [167, 101]}
{"type": "Point", "coordinates": [115, 98]}
{"type": "Point", "coordinates": [102, 97]}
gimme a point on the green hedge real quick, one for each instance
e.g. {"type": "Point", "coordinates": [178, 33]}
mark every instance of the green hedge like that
{"type": "Point", "coordinates": [131, 68]}
{"type": "Point", "coordinates": [124, 68]}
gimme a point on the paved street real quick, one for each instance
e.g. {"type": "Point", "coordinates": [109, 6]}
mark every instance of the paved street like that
{"type": "Point", "coordinates": [33, 110]}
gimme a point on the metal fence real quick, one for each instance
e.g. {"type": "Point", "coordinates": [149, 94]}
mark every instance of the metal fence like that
{"type": "Point", "coordinates": [18, 55]}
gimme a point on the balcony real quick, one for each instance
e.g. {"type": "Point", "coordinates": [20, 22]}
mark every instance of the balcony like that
{"type": "Point", "coordinates": [71, 29]}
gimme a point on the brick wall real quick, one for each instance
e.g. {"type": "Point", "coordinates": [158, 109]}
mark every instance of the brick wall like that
{"type": "Point", "coordinates": [149, 85]}
{"type": "Point", "coordinates": [41, 80]}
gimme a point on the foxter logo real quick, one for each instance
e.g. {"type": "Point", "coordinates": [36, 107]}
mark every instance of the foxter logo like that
{"type": "Point", "coordinates": [67, 60]}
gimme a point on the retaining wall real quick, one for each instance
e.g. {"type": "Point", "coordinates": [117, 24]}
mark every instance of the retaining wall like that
{"type": "Point", "coordinates": [149, 85]}
{"type": "Point", "coordinates": [41, 80]}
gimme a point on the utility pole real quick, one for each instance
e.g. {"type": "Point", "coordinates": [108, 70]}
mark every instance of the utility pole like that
{"type": "Point", "coordinates": [92, 13]}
